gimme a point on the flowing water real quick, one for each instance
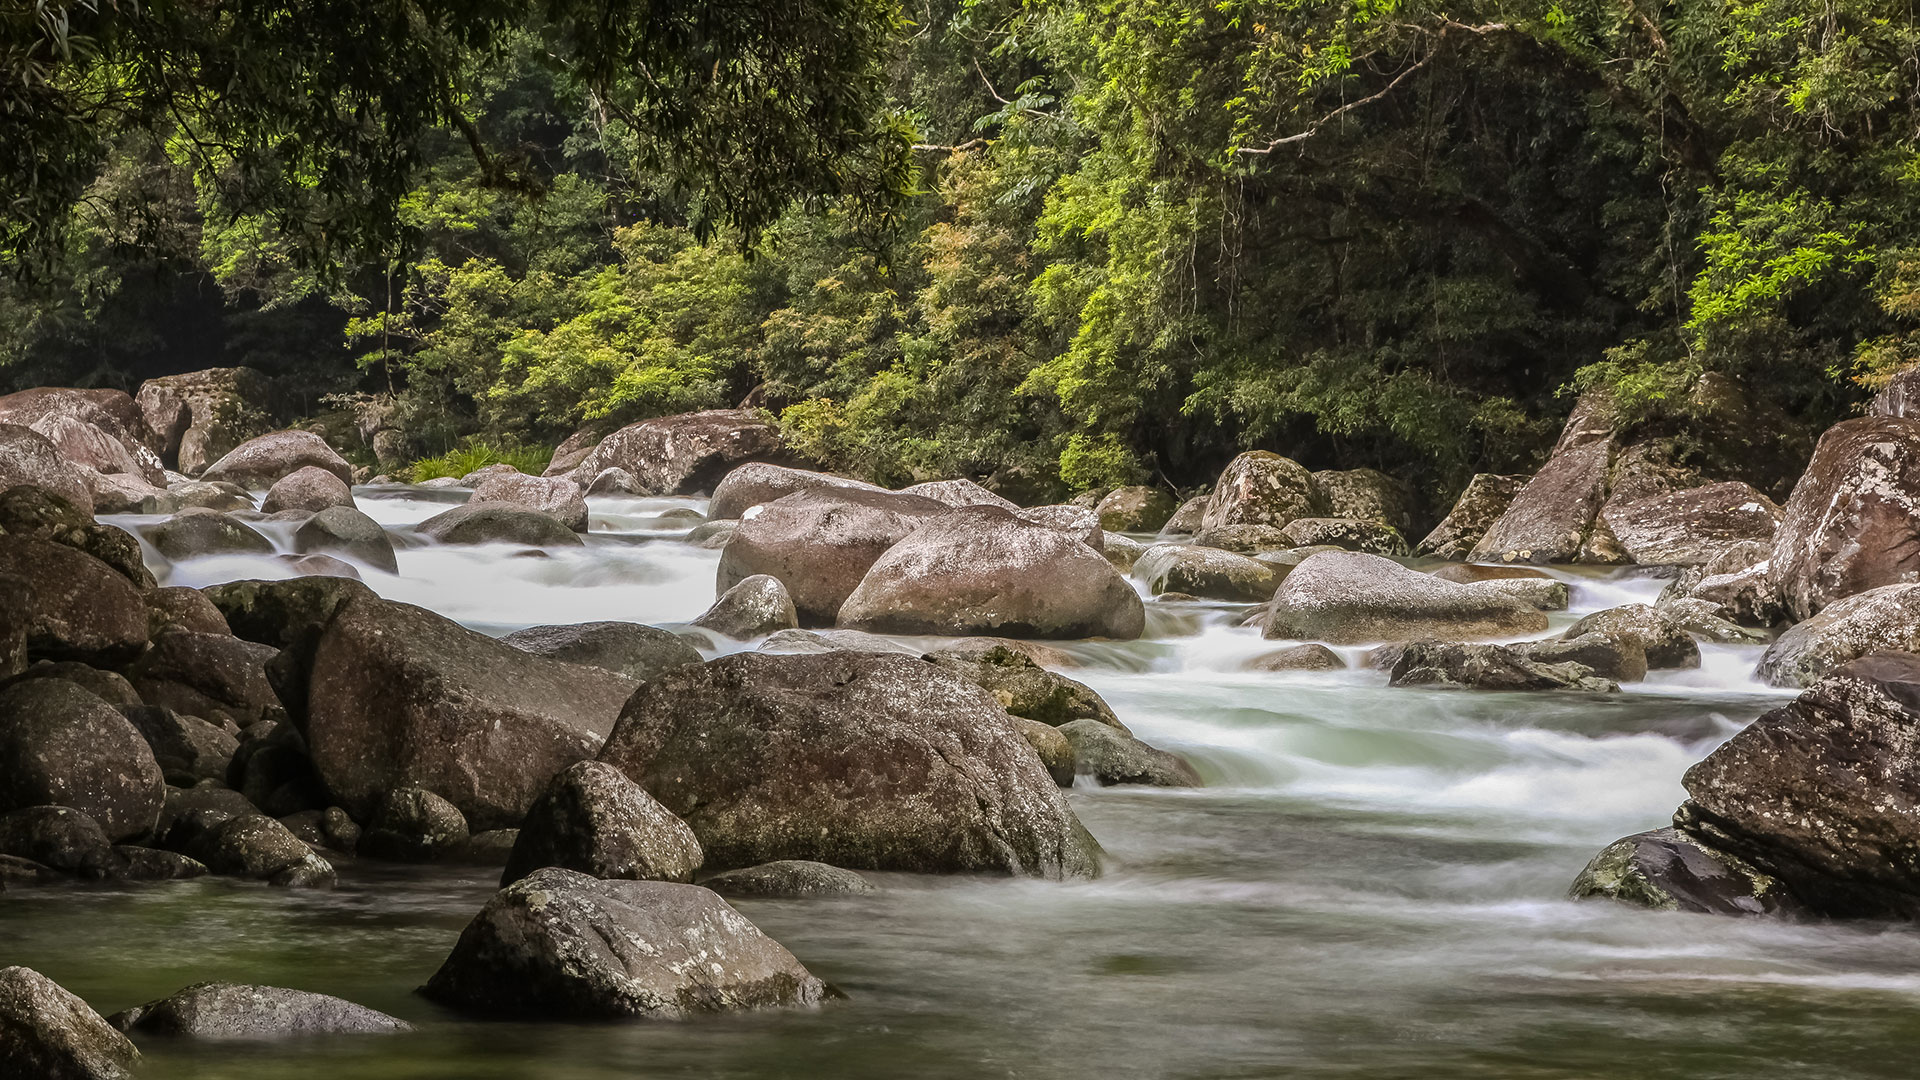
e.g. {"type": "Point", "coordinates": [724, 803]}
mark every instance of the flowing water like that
{"type": "Point", "coordinates": [1371, 885]}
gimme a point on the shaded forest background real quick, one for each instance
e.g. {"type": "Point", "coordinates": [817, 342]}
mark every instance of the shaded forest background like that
{"type": "Point", "coordinates": [1120, 240]}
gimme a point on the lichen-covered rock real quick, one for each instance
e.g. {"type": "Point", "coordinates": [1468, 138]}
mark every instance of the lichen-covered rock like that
{"type": "Point", "coordinates": [1366, 495]}
{"type": "Point", "coordinates": [1691, 526]}
{"type": "Point", "coordinates": [47, 1033]}
{"type": "Point", "coordinates": [1261, 488]}
{"type": "Point", "coordinates": [788, 879]}
{"type": "Point", "coordinates": [187, 609]}
{"type": "Point", "coordinates": [1244, 539]}
{"type": "Point", "coordinates": [59, 839]}
{"type": "Point", "coordinates": [1668, 870]}
{"type": "Point", "coordinates": [215, 1010]}
{"type": "Point", "coordinates": [636, 651]}
{"type": "Point", "coordinates": [413, 825]}
{"type": "Point", "coordinates": [1206, 572]}
{"type": "Point", "coordinates": [820, 542]}
{"type": "Point", "coordinates": [982, 570]}
{"type": "Point", "coordinates": [593, 819]}
{"type": "Point", "coordinates": [28, 459]}
{"type": "Point", "coordinates": [1351, 598]}
{"type": "Point", "coordinates": [194, 533]}
{"type": "Point", "coordinates": [957, 493]}
{"type": "Point", "coordinates": [112, 412]}
{"type": "Point", "coordinates": [1189, 518]}
{"type": "Point", "coordinates": [1884, 618]}
{"type": "Point", "coordinates": [1135, 509]}
{"type": "Point", "coordinates": [1543, 594]}
{"type": "Point", "coordinates": [264, 460]}
{"type": "Point", "coordinates": [1371, 536]}
{"type": "Point", "coordinates": [1023, 687]}
{"type": "Point", "coordinates": [862, 760]}
{"type": "Point", "coordinates": [1663, 636]}
{"type": "Point", "coordinates": [555, 496]}
{"type": "Point", "coordinates": [278, 613]}
{"type": "Point", "coordinates": [310, 488]}
{"type": "Point", "coordinates": [1620, 657]}
{"type": "Point", "coordinates": [498, 523]}
{"type": "Point", "coordinates": [562, 945]}
{"type": "Point", "coordinates": [78, 607]}
{"type": "Point", "coordinates": [1111, 756]}
{"type": "Point", "coordinates": [343, 530]}
{"type": "Point", "coordinates": [399, 696]}
{"type": "Point", "coordinates": [60, 745]}
{"type": "Point", "coordinates": [758, 482]}
{"type": "Point", "coordinates": [1550, 519]}
{"type": "Point", "coordinates": [1853, 521]}
{"type": "Point", "coordinates": [31, 513]}
{"type": "Point", "coordinates": [686, 454]}
{"type": "Point", "coordinates": [753, 607]}
{"type": "Point", "coordinates": [1489, 667]}
{"type": "Point", "coordinates": [258, 847]}
{"type": "Point", "coordinates": [1900, 397]}
{"type": "Point", "coordinates": [202, 415]}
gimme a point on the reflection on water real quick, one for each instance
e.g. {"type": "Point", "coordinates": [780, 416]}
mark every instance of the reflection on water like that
{"type": "Point", "coordinates": [1371, 886]}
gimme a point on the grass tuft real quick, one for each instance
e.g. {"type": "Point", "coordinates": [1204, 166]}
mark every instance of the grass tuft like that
{"type": "Point", "coordinates": [477, 454]}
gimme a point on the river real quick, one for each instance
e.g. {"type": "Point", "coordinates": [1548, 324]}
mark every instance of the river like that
{"type": "Point", "coordinates": [1370, 885]}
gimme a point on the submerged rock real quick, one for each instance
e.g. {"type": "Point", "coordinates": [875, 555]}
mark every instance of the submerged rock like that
{"type": "Point", "coordinates": [1350, 598]}
{"type": "Point", "coordinates": [47, 1033]}
{"type": "Point", "coordinates": [1668, 870]}
{"type": "Point", "coordinates": [1297, 658]}
{"type": "Point", "coordinates": [1489, 667]}
{"type": "Point", "coordinates": [498, 523]}
{"type": "Point", "coordinates": [788, 879]}
{"type": "Point", "coordinates": [862, 760]}
{"type": "Point", "coordinates": [630, 649]}
{"type": "Point", "coordinates": [216, 1010]}
{"type": "Point", "coordinates": [593, 819]}
{"type": "Point", "coordinates": [562, 945]}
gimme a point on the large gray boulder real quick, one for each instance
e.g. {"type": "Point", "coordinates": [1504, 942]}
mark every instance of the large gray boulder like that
{"type": "Point", "coordinates": [310, 488]}
{"type": "Point", "coordinates": [212, 676]}
{"type": "Point", "coordinates": [78, 608]}
{"type": "Point", "coordinates": [343, 530]}
{"type": "Point", "coordinates": [1692, 526]}
{"type": "Point", "coordinates": [62, 746]}
{"type": "Point", "coordinates": [1206, 572]}
{"type": "Point", "coordinates": [636, 651]}
{"type": "Point", "coordinates": [1351, 598]}
{"type": "Point", "coordinates": [397, 695]}
{"type": "Point", "coordinates": [31, 513]}
{"type": "Point", "coordinates": [593, 819]}
{"type": "Point", "coordinates": [195, 533]}
{"type": "Point", "coordinates": [1365, 495]}
{"type": "Point", "coordinates": [982, 570]}
{"type": "Point", "coordinates": [1261, 488]}
{"type": "Point", "coordinates": [498, 523]}
{"type": "Point", "coordinates": [820, 543]}
{"type": "Point", "coordinates": [556, 496]}
{"type": "Point", "coordinates": [27, 458]}
{"type": "Point", "coordinates": [1853, 521]}
{"type": "Point", "coordinates": [46, 1033]}
{"type": "Point", "coordinates": [1135, 509]}
{"type": "Point", "coordinates": [957, 493]}
{"type": "Point", "coordinates": [571, 452]}
{"type": "Point", "coordinates": [1661, 632]}
{"type": "Point", "coordinates": [562, 945]}
{"type": "Point", "coordinates": [1551, 519]}
{"type": "Point", "coordinates": [759, 482]}
{"type": "Point", "coordinates": [1489, 667]}
{"type": "Point", "coordinates": [202, 415]}
{"type": "Point", "coordinates": [686, 454]}
{"type": "Point", "coordinates": [1886, 618]}
{"type": "Point", "coordinates": [264, 460]}
{"type": "Point", "coordinates": [279, 613]}
{"type": "Point", "coordinates": [861, 760]}
{"type": "Point", "coordinates": [1347, 533]}
{"type": "Point", "coordinates": [216, 1010]}
{"type": "Point", "coordinates": [1110, 756]}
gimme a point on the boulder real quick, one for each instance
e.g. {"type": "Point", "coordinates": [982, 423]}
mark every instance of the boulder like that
{"type": "Point", "coordinates": [636, 651]}
{"type": "Point", "coordinates": [957, 493]}
{"type": "Point", "coordinates": [1366, 495]}
{"type": "Point", "coordinates": [88, 446]}
{"type": "Point", "coordinates": [571, 452]}
{"type": "Point", "coordinates": [310, 488]}
{"type": "Point", "coordinates": [124, 493]}
{"type": "Point", "coordinates": [59, 839]}
{"type": "Point", "coordinates": [187, 748]}
{"type": "Point", "coordinates": [788, 879]}
{"type": "Point", "coordinates": [562, 945]}
{"type": "Point", "coordinates": [1900, 397]}
{"type": "Point", "coordinates": [1692, 526]}
{"type": "Point", "coordinates": [758, 482]}
{"type": "Point", "coordinates": [811, 642]}
{"type": "Point", "coordinates": [1053, 749]}
{"type": "Point", "coordinates": [1668, 870]}
{"type": "Point", "coordinates": [202, 415]}
{"type": "Point", "coordinates": [1206, 572]}
{"type": "Point", "coordinates": [413, 825]}
{"type": "Point", "coordinates": [109, 686]}
{"type": "Point", "coordinates": [1188, 518]}
{"type": "Point", "coordinates": [206, 675]}
{"type": "Point", "coordinates": [1350, 598]}
{"type": "Point", "coordinates": [498, 523]}
{"type": "Point", "coordinates": [612, 482]}
{"type": "Point", "coordinates": [1551, 519]}
{"type": "Point", "coordinates": [1884, 618]}
{"type": "Point", "coordinates": [194, 533]}
{"type": "Point", "coordinates": [179, 496]}
{"type": "Point", "coordinates": [820, 543]}
{"type": "Point", "coordinates": [112, 412]}
{"type": "Point", "coordinates": [263, 460]}
{"type": "Point", "coordinates": [399, 696]}
{"type": "Point", "coordinates": [274, 770]}
{"type": "Point", "coordinates": [343, 530]}
{"type": "Point", "coordinates": [1243, 539]}
{"type": "Point", "coordinates": [1111, 757]}
{"type": "Point", "coordinates": [862, 760]}
{"type": "Point", "coordinates": [1135, 509]}
{"type": "Point", "coordinates": [317, 565]}
{"type": "Point", "coordinates": [152, 864]}
{"type": "Point", "coordinates": [1489, 667]}
{"type": "Point", "coordinates": [216, 1010]}
{"type": "Point", "coordinates": [1297, 658]}
{"type": "Point", "coordinates": [27, 458]}
{"type": "Point", "coordinates": [712, 535]}
{"type": "Point", "coordinates": [187, 609]}
{"type": "Point", "coordinates": [31, 513]}
{"type": "Point", "coordinates": [752, 608]}
{"type": "Point", "coordinates": [686, 454]}
{"type": "Point", "coordinates": [982, 570]}
{"type": "Point", "coordinates": [1620, 657]}
{"type": "Point", "coordinates": [1821, 794]}
{"type": "Point", "coordinates": [1261, 488]}
{"type": "Point", "coordinates": [1853, 521]}
{"type": "Point", "coordinates": [1351, 535]}
{"type": "Point", "coordinates": [593, 819]}
{"type": "Point", "coordinates": [47, 1033]}
{"type": "Point", "coordinates": [487, 472]}
{"type": "Point", "coordinates": [1079, 522]}
{"type": "Point", "coordinates": [278, 613]}
{"type": "Point", "coordinates": [1543, 594]}
{"type": "Point", "coordinates": [60, 745]}
{"type": "Point", "coordinates": [256, 846]}
{"type": "Point", "coordinates": [1023, 687]}
{"type": "Point", "coordinates": [555, 496]}
{"type": "Point", "coordinates": [1663, 636]}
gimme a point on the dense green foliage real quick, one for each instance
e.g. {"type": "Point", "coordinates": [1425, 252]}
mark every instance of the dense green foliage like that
{"type": "Point", "coordinates": [1145, 233]}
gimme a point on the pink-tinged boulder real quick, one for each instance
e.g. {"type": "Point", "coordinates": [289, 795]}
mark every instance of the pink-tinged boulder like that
{"type": "Point", "coordinates": [758, 482]}
{"type": "Point", "coordinates": [820, 543]}
{"type": "Point", "coordinates": [26, 457]}
{"type": "Point", "coordinates": [1690, 527]}
{"type": "Point", "coordinates": [200, 416]}
{"type": "Point", "coordinates": [1261, 488]}
{"type": "Point", "coordinates": [310, 488]}
{"type": "Point", "coordinates": [557, 496]}
{"type": "Point", "coordinates": [686, 454]}
{"type": "Point", "coordinates": [1853, 521]}
{"type": "Point", "coordinates": [112, 411]}
{"type": "Point", "coordinates": [263, 461]}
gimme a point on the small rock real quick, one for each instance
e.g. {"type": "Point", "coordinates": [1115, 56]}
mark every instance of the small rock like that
{"type": "Point", "coordinates": [1665, 639]}
{"type": "Point", "coordinates": [311, 488]}
{"type": "Point", "coordinates": [556, 496]}
{"type": "Point", "coordinates": [195, 533]}
{"type": "Point", "coordinates": [788, 879]}
{"type": "Point", "coordinates": [1370, 536]}
{"type": "Point", "coordinates": [234, 1011]}
{"type": "Point", "coordinates": [497, 523]}
{"type": "Point", "coordinates": [1135, 509]}
{"type": "Point", "coordinates": [1488, 667]}
{"type": "Point", "coordinates": [636, 651]}
{"type": "Point", "coordinates": [1298, 658]}
{"type": "Point", "coordinates": [1113, 757]}
{"type": "Point", "coordinates": [593, 819]}
{"type": "Point", "coordinates": [753, 607]}
{"type": "Point", "coordinates": [346, 531]}
{"type": "Point", "coordinates": [413, 825]}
